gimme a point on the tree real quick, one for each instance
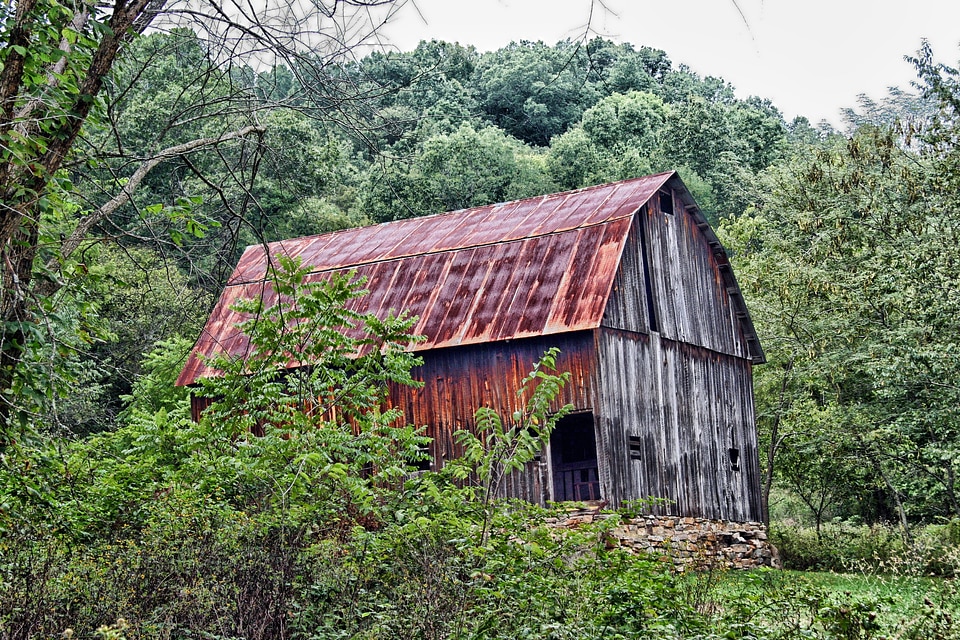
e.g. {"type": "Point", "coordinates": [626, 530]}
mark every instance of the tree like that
{"type": "Point", "coordinates": [138, 299]}
{"type": "Point", "coordinates": [532, 91]}
{"type": "Point", "coordinates": [725, 144]}
{"type": "Point", "coordinates": [429, 83]}
{"type": "Point", "coordinates": [617, 138]}
{"type": "Point", "coordinates": [851, 267]}
{"type": "Point", "coordinates": [298, 418]}
{"type": "Point", "coordinates": [56, 58]}
{"type": "Point", "coordinates": [466, 168]}
{"type": "Point", "coordinates": [500, 447]}
{"type": "Point", "coordinates": [619, 68]}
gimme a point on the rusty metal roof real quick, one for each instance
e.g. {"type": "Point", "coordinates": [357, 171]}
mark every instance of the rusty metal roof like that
{"type": "Point", "coordinates": [531, 267]}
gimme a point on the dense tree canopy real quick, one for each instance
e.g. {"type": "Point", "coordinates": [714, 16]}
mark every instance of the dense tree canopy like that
{"type": "Point", "coordinates": [90, 112]}
{"type": "Point", "coordinates": [851, 261]}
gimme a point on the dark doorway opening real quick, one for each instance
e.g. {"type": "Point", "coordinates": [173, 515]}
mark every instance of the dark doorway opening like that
{"type": "Point", "coordinates": [573, 455]}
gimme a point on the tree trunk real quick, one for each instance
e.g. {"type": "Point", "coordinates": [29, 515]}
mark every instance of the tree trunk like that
{"type": "Point", "coordinates": [901, 512]}
{"type": "Point", "coordinates": [775, 442]}
{"type": "Point", "coordinates": [25, 180]}
{"type": "Point", "coordinates": [15, 315]}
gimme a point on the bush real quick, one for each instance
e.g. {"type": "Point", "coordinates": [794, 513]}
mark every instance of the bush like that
{"type": "Point", "coordinates": [844, 546]}
{"type": "Point", "coordinates": [192, 569]}
{"type": "Point", "coordinates": [197, 571]}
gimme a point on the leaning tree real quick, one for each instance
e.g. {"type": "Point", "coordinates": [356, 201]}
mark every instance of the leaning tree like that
{"type": "Point", "coordinates": [57, 57]}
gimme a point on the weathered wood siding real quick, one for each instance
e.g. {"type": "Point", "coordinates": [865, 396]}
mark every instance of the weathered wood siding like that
{"type": "Point", "coordinates": [628, 306]}
{"type": "Point", "coordinates": [198, 406]}
{"type": "Point", "coordinates": [675, 375]}
{"type": "Point", "coordinates": [669, 264]}
{"type": "Point", "coordinates": [688, 407]}
{"type": "Point", "coordinates": [458, 380]}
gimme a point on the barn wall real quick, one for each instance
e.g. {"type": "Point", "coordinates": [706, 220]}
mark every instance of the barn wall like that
{"type": "Point", "coordinates": [627, 306]}
{"type": "Point", "coordinates": [198, 405]}
{"type": "Point", "coordinates": [458, 380]}
{"type": "Point", "coordinates": [690, 299]}
{"type": "Point", "coordinates": [687, 406]}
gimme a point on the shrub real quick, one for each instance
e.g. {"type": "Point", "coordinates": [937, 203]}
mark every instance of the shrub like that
{"type": "Point", "coordinates": [844, 546]}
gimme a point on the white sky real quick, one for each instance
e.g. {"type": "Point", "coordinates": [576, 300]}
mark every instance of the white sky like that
{"type": "Point", "coordinates": [810, 57]}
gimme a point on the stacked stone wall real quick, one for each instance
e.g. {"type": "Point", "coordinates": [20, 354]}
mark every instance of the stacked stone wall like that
{"type": "Point", "coordinates": [689, 543]}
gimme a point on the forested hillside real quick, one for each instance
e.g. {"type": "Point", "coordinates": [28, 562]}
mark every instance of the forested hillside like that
{"type": "Point", "coordinates": [122, 224]}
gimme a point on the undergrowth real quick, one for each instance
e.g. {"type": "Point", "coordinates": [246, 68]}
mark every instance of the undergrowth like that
{"type": "Point", "coordinates": [931, 550]}
{"type": "Point", "coordinates": [429, 576]}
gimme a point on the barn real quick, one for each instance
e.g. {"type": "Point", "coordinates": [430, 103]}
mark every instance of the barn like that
{"type": "Point", "coordinates": [627, 279]}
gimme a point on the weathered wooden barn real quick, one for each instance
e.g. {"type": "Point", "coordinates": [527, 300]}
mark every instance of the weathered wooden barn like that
{"type": "Point", "coordinates": [632, 285]}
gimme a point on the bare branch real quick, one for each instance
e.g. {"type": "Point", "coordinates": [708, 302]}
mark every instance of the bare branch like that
{"type": "Point", "coordinates": [126, 193]}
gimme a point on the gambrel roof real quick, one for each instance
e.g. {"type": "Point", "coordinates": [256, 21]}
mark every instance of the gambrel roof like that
{"type": "Point", "coordinates": [531, 267]}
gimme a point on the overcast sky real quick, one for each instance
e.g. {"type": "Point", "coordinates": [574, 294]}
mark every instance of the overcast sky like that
{"type": "Point", "coordinates": [810, 57]}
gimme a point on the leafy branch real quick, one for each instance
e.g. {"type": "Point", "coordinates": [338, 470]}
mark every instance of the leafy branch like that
{"type": "Point", "coordinates": [497, 448]}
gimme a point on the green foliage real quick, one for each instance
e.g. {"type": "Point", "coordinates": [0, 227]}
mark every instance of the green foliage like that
{"type": "Point", "coordinates": [843, 546]}
{"type": "Point", "coordinates": [190, 570]}
{"type": "Point", "coordinates": [292, 509]}
{"type": "Point", "coordinates": [620, 68]}
{"type": "Point", "coordinates": [423, 579]}
{"type": "Point", "coordinates": [156, 389]}
{"type": "Point", "coordinates": [424, 88]}
{"type": "Point", "coordinates": [623, 120]}
{"type": "Point", "coordinates": [494, 449]}
{"type": "Point", "coordinates": [466, 168]}
{"type": "Point", "coordinates": [162, 89]}
{"type": "Point", "coordinates": [723, 145]}
{"type": "Point", "coordinates": [296, 422]}
{"type": "Point", "coordinates": [617, 138]}
{"type": "Point", "coordinates": [849, 272]}
{"type": "Point", "coordinates": [137, 301]}
{"type": "Point", "coordinates": [194, 572]}
{"type": "Point", "coordinates": [49, 338]}
{"type": "Point", "coordinates": [532, 91]}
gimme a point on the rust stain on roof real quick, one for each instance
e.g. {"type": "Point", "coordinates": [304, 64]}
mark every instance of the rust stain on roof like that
{"type": "Point", "coordinates": [531, 267]}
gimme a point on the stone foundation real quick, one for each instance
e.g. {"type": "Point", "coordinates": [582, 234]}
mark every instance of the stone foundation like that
{"type": "Point", "coordinates": [689, 543]}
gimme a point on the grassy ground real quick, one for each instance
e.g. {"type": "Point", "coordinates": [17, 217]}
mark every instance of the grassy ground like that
{"type": "Point", "coordinates": [902, 594]}
{"type": "Point", "coordinates": [835, 605]}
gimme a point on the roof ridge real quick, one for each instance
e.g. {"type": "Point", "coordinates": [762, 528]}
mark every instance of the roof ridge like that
{"type": "Point", "coordinates": [441, 214]}
{"type": "Point", "coordinates": [464, 247]}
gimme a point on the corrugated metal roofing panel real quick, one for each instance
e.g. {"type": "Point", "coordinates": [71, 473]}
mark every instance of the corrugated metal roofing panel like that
{"type": "Point", "coordinates": [483, 322]}
{"type": "Point", "coordinates": [465, 296]}
{"type": "Point", "coordinates": [385, 286]}
{"type": "Point", "coordinates": [220, 335]}
{"type": "Point", "coordinates": [377, 242]}
{"type": "Point", "coordinates": [250, 266]}
{"type": "Point", "coordinates": [512, 306]}
{"type": "Point", "coordinates": [623, 198]}
{"type": "Point", "coordinates": [605, 259]}
{"type": "Point", "coordinates": [434, 239]}
{"type": "Point", "coordinates": [530, 267]}
{"type": "Point", "coordinates": [577, 288]}
{"type": "Point", "coordinates": [546, 276]}
{"type": "Point", "coordinates": [571, 212]}
{"type": "Point", "coordinates": [530, 218]}
{"type": "Point", "coordinates": [501, 222]}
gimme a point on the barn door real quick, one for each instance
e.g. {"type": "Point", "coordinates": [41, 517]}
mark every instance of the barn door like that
{"type": "Point", "coordinates": [573, 456]}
